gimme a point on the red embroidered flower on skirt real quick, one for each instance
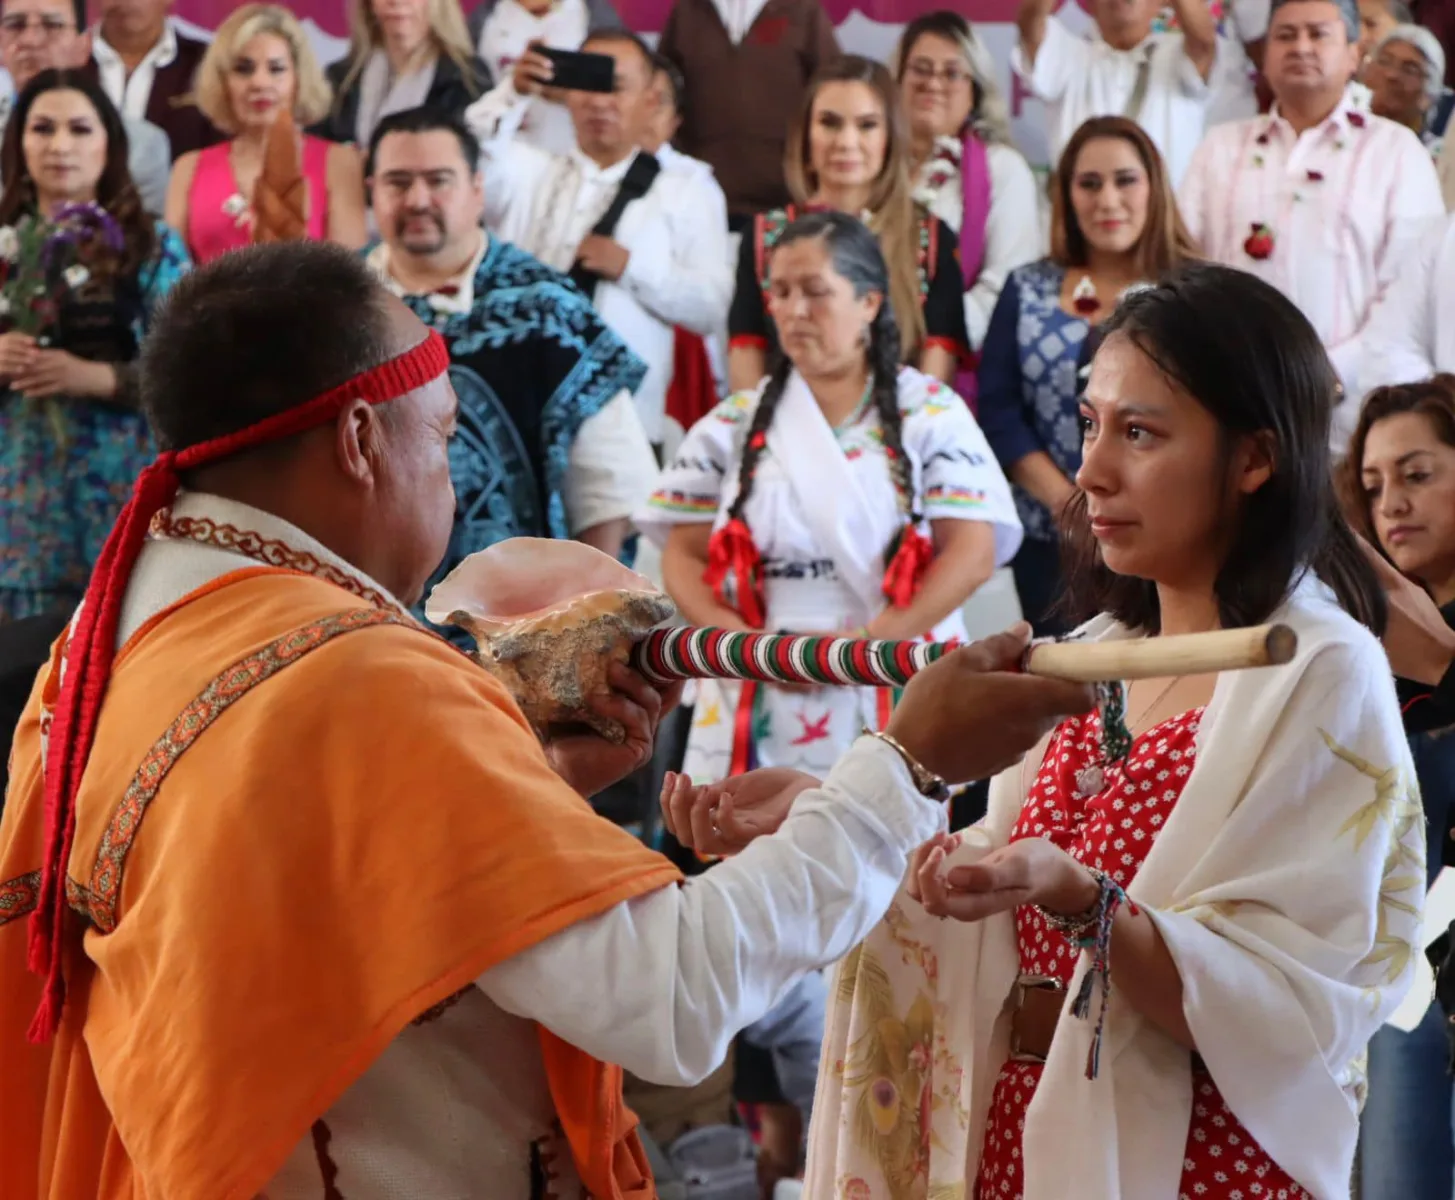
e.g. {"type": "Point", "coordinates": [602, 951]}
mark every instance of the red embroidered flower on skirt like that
{"type": "Point", "coordinates": [1259, 244]}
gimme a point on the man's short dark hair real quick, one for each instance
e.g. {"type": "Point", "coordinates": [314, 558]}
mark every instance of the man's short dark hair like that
{"type": "Point", "coordinates": [259, 331]}
{"type": "Point", "coordinates": [614, 33]}
{"type": "Point", "coordinates": [427, 118]}
{"type": "Point", "coordinates": [667, 69]}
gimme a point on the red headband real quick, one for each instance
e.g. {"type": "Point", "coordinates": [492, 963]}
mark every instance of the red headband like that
{"type": "Point", "coordinates": [93, 641]}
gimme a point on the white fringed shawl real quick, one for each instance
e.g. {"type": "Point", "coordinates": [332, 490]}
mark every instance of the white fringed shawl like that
{"type": "Point", "coordinates": [1287, 884]}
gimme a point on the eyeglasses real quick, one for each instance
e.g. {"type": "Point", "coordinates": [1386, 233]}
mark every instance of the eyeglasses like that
{"type": "Point", "coordinates": [927, 72]}
{"type": "Point", "coordinates": [1410, 70]}
{"type": "Point", "coordinates": [15, 25]}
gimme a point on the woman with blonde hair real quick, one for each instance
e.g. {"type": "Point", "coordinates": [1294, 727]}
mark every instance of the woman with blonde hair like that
{"type": "Point", "coordinates": [260, 83]}
{"type": "Point", "coordinates": [965, 169]}
{"type": "Point", "coordinates": [848, 152]}
{"type": "Point", "coordinates": [1114, 226]}
{"type": "Point", "coordinates": [402, 54]}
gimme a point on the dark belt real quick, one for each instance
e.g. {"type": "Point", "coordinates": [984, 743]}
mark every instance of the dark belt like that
{"type": "Point", "coordinates": [1039, 1004]}
{"type": "Point", "coordinates": [1039, 1001]}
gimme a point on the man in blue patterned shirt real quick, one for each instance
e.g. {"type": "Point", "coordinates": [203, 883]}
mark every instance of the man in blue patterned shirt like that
{"type": "Point", "coordinates": [550, 443]}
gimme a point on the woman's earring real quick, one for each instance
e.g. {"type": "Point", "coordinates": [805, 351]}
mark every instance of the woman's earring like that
{"type": "Point", "coordinates": [866, 337]}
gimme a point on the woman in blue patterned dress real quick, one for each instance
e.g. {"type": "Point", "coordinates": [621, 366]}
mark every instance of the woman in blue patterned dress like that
{"type": "Point", "coordinates": [71, 437]}
{"type": "Point", "coordinates": [1114, 225]}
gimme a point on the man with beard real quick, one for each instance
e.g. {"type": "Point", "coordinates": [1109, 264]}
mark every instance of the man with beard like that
{"type": "Point", "coordinates": [550, 443]}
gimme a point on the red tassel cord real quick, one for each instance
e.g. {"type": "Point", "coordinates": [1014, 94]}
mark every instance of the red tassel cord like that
{"type": "Point", "coordinates": [92, 645]}
{"type": "Point", "coordinates": [908, 562]}
{"type": "Point", "coordinates": [732, 551]}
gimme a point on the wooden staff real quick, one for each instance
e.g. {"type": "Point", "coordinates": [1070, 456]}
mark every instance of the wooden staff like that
{"type": "Point", "coordinates": [1163, 657]}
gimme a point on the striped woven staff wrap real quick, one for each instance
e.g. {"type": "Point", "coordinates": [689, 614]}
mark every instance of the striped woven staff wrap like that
{"type": "Point", "coordinates": [667, 655]}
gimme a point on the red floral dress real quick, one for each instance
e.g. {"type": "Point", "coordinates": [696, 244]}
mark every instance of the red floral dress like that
{"type": "Point", "coordinates": [1113, 830]}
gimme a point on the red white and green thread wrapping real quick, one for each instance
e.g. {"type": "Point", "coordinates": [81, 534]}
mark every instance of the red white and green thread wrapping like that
{"type": "Point", "coordinates": [671, 654]}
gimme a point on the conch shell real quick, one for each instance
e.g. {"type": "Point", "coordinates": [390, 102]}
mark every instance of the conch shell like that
{"type": "Point", "coordinates": [548, 617]}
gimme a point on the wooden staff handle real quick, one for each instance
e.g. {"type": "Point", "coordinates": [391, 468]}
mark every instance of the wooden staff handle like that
{"type": "Point", "coordinates": [1163, 657]}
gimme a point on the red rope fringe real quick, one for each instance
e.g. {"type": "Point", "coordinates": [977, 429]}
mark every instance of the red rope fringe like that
{"type": "Point", "coordinates": [907, 566]}
{"type": "Point", "coordinates": [733, 551]}
{"type": "Point", "coordinates": [92, 647]}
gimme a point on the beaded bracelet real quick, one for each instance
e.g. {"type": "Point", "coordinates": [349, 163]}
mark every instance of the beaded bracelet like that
{"type": "Point", "coordinates": [1091, 931]}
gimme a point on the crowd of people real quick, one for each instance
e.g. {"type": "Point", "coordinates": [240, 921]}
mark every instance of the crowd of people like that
{"type": "Point", "coordinates": [803, 336]}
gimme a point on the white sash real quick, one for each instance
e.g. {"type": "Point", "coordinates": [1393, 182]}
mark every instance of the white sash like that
{"type": "Point", "coordinates": [848, 527]}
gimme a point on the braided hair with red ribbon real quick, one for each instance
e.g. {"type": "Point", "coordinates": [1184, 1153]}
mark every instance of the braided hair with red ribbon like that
{"type": "Point", "coordinates": [732, 553]}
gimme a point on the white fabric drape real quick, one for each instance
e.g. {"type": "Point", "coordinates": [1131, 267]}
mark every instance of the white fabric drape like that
{"type": "Point", "coordinates": [1287, 885]}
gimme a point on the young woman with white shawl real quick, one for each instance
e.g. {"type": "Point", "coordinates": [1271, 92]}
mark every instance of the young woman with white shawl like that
{"type": "Point", "coordinates": [1267, 932]}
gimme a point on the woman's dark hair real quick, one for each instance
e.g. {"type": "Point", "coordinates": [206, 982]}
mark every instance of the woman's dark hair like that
{"type": "Point", "coordinates": [1242, 350]}
{"type": "Point", "coordinates": [115, 191]}
{"type": "Point", "coordinates": [1433, 399]}
{"type": "Point", "coordinates": [854, 252]}
{"type": "Point", "coordinates": [1165, 242]}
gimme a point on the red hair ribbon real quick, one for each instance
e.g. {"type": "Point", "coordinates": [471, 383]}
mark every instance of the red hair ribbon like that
{"type": "Point", "coordinates": [93, 641]}
{"type": "Point", "coordinates": [907, 566]}
{"type": "Point", "coordinates": [732, 549]}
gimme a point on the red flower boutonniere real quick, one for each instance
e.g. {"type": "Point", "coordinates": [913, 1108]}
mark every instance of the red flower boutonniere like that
{"type": "Point", "coordinates": [1316, 177]}
{"type": "Point", "coordinates": [1356, 119]}
{"type": "Point", "coordinates": [1259, 243]}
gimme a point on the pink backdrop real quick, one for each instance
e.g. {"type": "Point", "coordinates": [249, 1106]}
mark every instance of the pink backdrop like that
{"type": "Point", "coordinates": [645, 16]}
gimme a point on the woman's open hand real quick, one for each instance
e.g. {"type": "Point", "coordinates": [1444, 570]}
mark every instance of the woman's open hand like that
{"type": "Point", "coordinates": [720, 819]}
{"type": "Point", "coordinates": [1029, 871]}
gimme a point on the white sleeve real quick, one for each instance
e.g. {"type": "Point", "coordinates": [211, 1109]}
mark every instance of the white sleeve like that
{"type": "Point", "coordinates": [959, 477]}
{"type": "Point", "coordinates": [1412, 201]}
{"type": "Point", "coordinates": [1192, 194]}
{"type": "Point", "coordinates": [1399, 339]}
{"type": "Point", "coordinates": [694, 286]}
{"type": "Point", "coordinates": [508, 165]}
{"type": "Point", "coordinates": [662, 984]}
{"type": "Point", "coordinates": [611, 468]}
{"type": "Point", "coordinates": [1012, 235]}
{"type": "Point", "coordinates": [1190, 81]}
{"type": "Point", "coordinates": [1061, 61]}
{"type": "Point", "coordinates": [1445, 166]}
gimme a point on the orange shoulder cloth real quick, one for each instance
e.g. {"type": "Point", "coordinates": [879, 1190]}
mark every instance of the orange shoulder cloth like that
{"type": "Point", "coordinates": [304, 823]}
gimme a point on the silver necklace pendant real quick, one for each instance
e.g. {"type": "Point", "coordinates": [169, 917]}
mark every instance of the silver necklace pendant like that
{"type": "Point", "coordinates": [1090, 780]}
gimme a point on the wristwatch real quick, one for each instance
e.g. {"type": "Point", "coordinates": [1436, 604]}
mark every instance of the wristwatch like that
{"type": "Point", "coordinates": [926, 782]}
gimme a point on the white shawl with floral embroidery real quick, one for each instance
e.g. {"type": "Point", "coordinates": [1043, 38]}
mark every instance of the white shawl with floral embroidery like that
{"type": "Point", "coordinates": [1287, 884]}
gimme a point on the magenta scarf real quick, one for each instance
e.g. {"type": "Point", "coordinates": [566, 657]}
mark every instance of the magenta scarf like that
{"type": "Point", "coordinates": [975, 188]}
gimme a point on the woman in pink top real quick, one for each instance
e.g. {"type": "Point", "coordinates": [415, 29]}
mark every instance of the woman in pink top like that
{"type": "Point", "coordinates": [258, 71]}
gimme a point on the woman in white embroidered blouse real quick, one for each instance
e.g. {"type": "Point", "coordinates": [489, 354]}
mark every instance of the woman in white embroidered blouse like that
{"type": "Point", "coordinates": [965, 169]}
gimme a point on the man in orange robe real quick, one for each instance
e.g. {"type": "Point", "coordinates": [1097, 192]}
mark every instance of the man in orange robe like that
{"type": "Point", "coordinates": [292, 901]}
